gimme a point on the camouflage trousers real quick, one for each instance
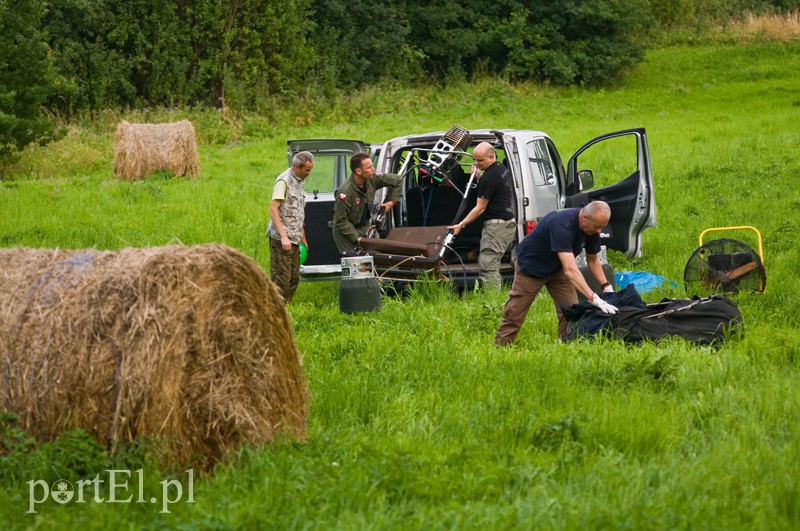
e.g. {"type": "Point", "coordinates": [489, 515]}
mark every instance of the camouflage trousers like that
{"type": "Point", "coordinates": [284, 268]}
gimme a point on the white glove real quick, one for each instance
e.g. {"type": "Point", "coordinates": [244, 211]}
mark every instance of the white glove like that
{"type": "Point", "coordinates": [609, 288]}
{"type": "Point", "coordinates": [602, 305]}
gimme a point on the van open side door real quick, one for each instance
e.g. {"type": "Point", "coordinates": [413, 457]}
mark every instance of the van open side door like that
{"type": "Point", "coordinates": [615, 168]}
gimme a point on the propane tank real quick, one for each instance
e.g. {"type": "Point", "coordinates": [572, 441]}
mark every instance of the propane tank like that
{"type": "Point", "coordinates": [360, 289]}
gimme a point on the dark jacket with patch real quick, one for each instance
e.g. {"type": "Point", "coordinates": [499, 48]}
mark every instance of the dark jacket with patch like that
{"type": "Point", "coordinates": [351, 212]}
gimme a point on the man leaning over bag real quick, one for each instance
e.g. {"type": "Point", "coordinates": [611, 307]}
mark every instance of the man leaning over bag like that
{"type": "Point", "coordinates": [546, 258]}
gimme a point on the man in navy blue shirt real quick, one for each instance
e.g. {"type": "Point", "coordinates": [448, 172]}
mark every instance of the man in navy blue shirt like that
{"type": "Point", "coordinates": [546, 258]}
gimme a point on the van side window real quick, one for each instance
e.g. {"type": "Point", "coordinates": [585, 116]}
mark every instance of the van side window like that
{"type": "Point", "coordinates": [330, 170]}
{"type": "Point", "coordinates": [540, 163]}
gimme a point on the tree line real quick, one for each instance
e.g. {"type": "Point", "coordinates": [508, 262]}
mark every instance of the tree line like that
{"type": "Point", "coordinates": [69, 56]}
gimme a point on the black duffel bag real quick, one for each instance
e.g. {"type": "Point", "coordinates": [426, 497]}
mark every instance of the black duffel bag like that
{"type": "Point", "coordinates": [700, 320]}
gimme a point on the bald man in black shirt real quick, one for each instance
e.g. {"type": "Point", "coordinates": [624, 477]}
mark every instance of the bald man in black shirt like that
{"type": "Point", "coordinates": [495, 195]}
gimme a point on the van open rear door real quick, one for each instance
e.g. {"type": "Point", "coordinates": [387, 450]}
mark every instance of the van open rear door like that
{"type": "Point", "coordinates": [331, 168]}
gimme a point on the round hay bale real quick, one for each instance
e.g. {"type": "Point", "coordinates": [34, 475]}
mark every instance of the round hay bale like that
{"type": "Point", "coordinates": [141, 149]}
{"type": "Point", "coordinates": [188, 345]}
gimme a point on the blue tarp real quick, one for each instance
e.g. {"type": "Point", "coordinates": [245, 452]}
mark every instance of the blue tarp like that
{"type": "Point", "coordinates": [641, 280]}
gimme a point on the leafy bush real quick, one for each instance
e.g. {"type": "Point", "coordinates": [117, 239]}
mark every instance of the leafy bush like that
{"type": "Point", "coordinates": [571, 42]}
{"type": "Point", "coordinates": [27, 77]}
{"type": "Point", "coordinates": [143, 53]}
{"type": "Point", "coordinates": [561, 41]}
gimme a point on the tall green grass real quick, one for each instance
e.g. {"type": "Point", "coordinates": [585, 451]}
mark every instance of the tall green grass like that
{"type": "Point", "coordinates": [417, 421]}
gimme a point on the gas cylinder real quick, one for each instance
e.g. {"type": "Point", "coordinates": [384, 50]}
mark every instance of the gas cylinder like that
{"type": "Point", "coordinates": [360, 288]}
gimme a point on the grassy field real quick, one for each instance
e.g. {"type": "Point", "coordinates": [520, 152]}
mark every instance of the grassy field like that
{"type": "Point", "coordinates": [417, 420]}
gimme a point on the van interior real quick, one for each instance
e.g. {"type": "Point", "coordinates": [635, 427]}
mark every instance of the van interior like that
{"type": "Point", "coordinates": [432, 200]}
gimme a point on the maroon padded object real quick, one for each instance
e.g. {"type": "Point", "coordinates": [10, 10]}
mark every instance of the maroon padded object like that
{"type": "Point", "coordinates": [408, 241]}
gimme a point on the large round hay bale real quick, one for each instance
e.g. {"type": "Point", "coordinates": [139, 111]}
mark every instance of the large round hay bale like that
{"type": "Point", "coordinates": [141, 149]}
{"type": "Point", "coordinates": [189, 345]}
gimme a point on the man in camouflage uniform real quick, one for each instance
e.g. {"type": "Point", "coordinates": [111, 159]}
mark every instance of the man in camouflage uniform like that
{"type": "Point", "coordinates": [354, 197]}
{"type": "Point", "coordinates": [287, 216]}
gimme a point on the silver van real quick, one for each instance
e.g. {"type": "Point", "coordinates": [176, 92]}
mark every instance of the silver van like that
{"type": "Point", "coordinates": [413, 241]}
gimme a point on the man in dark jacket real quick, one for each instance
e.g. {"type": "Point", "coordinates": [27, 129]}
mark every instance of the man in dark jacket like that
{"type": "Point", "coordinates": [546, 258]}
{"type": "Point", "coordinates": [354, 198]}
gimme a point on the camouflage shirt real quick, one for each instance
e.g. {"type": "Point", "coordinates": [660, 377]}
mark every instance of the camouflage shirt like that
{"type": "Point", "coordinates": [352, 211]}
{"type": "Point", "coordinates": [292, 209]}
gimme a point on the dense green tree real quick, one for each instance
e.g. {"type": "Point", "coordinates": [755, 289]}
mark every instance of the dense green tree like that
{"type": "Point", "coordinates": [244, 50]}
{"type": "Point", "coordinates": [245, 53]}
{"type": "Point", "coordinates": [360, 41]}
{"type": "Point", "coordinates": [442, 32]}
{"type": "Point", "coordinates": [575, 42]}
{"type": "Point", "coordinates": [26, 76]}
{"type": "Point", "coordinates": [95, 74]}
{"type": "Point", "coordinates": [148, 52]}
{"type": "Point", "coordinates": [148, 37]}
{"type": "Point", "coordinates": [557, 41]}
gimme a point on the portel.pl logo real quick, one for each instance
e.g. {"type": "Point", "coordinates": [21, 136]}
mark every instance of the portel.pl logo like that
{"type": "Point", "coordinates": [117, 490]}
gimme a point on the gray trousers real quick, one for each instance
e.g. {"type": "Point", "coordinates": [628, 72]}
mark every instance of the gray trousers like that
{"type": "Point", "coordinates": [495, 239]}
